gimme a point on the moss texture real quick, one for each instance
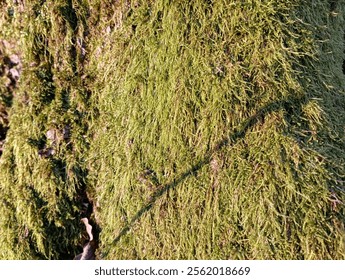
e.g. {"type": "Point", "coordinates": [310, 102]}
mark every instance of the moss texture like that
{"type": "Point", "coordinates": [198, 130]}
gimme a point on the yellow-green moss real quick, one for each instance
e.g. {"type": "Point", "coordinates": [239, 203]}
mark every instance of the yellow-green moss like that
{"type": "Point", "coordinates": [199, 129]}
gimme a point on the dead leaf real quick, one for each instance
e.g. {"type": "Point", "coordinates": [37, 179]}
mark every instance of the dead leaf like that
{"type": "Point", "coordinates": [88, 227]}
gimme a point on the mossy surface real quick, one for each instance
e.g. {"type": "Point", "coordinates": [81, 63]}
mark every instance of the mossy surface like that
{"type": "Point", "coordinates": [198, 130]}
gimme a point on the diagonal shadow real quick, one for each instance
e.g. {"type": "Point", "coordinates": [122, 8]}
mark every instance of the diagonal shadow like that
{"type": "Point", "coordinates": [287, 104]}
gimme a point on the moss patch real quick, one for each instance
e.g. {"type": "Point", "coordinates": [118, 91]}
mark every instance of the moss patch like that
{"type": "Point", "coordinates": [202, 130]}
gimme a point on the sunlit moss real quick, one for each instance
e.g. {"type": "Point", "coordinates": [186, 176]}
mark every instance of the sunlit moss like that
{"type": "Point", "coordinates": [199, 129]}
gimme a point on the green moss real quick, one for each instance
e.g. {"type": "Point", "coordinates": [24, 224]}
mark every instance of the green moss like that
{"type": "Point", "coordinates": [201, 130]}
{"type": "Point", "coordinates": [43, 179]}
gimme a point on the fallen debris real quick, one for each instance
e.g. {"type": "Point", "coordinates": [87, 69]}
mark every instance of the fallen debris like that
{"type": "Point", "coordinates": [90, 247]}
